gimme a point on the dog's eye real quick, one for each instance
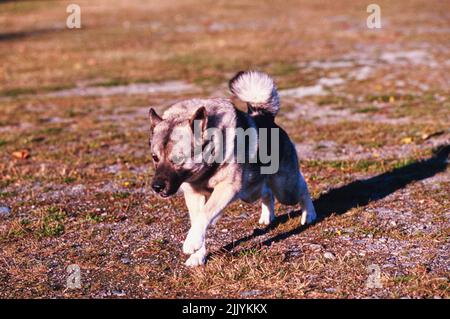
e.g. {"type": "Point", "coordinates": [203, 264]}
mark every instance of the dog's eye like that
{"type": "Point", "coordinates": [155, 158]}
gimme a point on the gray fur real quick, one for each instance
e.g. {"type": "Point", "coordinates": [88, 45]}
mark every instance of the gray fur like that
{"type": "Point", "coordinates": [209, 188]}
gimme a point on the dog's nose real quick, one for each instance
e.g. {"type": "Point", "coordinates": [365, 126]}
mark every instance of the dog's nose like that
{"type": "Point", "coordinates": [158, 186]}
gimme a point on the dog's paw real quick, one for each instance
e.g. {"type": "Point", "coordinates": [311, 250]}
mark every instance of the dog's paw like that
{"type": "Point", "coordinates": [194, 241]}
{"type": "Point", "coordinates": [308, 217]}
{"type": "Point", "coordinates": [265, 219]}
{"type": "Point", "coordinates": [195, 260]}
{"type": "Point", "coordinates": [311, 218]}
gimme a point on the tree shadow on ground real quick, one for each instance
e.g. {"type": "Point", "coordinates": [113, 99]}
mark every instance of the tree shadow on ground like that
{"type": "Point", "coordinates": [356, 194]}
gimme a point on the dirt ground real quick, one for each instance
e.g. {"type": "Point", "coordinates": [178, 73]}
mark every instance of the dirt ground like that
{"type": "Point", "coordinates": [368, 109]}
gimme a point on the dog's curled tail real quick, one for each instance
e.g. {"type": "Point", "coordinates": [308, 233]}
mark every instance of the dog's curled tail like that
{"type": "Point", "coordinates": [258, 90]}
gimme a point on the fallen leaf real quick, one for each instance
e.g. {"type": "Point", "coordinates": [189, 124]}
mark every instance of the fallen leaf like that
{"type": "Point", "coordinates": [22, 154]}
{"type": "Point", "coordinates": [407, 140]}
{"type": "Point", "coordinates": [426, 136]}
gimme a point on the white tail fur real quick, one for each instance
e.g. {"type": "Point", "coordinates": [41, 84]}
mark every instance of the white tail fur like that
{"type": "Point", "coordinates": [258, 90]}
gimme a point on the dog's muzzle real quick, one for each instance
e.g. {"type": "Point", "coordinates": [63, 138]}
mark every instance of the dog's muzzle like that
{"type": "Point", "coordinates": [164, 188]}
{"type": "Point", "coordinates": [159, 186]}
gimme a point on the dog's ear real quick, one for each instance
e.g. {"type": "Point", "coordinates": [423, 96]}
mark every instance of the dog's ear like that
{"type": "Point", "coordinates": [200, 117]}
{"type": "Point", "coordinates": [154, 118]}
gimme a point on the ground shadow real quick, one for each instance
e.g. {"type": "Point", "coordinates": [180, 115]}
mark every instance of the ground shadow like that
{"type": "Point", "coordinates": [19, 35]}
{"type": "Point", "coordinates": [356, 194]}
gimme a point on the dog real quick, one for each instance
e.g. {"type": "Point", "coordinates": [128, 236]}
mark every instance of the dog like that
{"type": "Point", "coordinates": [210, 185]}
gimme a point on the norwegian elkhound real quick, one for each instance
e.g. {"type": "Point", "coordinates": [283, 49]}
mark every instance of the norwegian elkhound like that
{"type": "Point", "coordinates": [214, 169]}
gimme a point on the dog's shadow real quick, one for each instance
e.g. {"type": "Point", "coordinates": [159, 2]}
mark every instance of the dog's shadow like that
{"type": "Point", "coordinates": [355, 194]}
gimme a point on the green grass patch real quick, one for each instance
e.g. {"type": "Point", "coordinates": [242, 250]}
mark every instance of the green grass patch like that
{"type": "Point", "coordinates": [69, 180]}
{"type": "Point", "coordinates": [282, 68]}
{"type": "Point", "coordinates": [121, 195]}
{"type": "Point", "coordinates": [53, 222]}
{"type": "Point", "coordinates": [7, 194]}
{"type": "Point", "coordinates": [392, 97]}
{"type": "Point", "coordinates": [404, 279]}
{"type": "Point", "coordinates": [249, 252]}
{"type": "Point", "coordinates": [404, 162]}
{"type": "Point", "coordinates": [15, 92]}
{"type": "Point", "coordinates": [362, 165]}
{"type": "Point", "coordinates": [94, 217]}
{"type": "Point", "coordinates": [51, 130]}
{"type": "Point", "coordinates": [369, 109]}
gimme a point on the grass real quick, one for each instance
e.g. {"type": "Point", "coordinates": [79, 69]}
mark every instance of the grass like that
{"type": "Point", "coordinates": [53, 222]}
{"type": "Point", "coordinates": [16, 92]}
{"type": "Point", "coordinates": [94, 217]}
{"type": "Point", "coordinates": [369, 109]}
{"type": "Point", "coordinates": [364, 133]}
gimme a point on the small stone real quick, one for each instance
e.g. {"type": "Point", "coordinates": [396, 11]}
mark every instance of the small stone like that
{"type": "Point", "coordinates": [315, 247]}
{"type": "Point", "coordinates": [295, 253]}
{"type": "Point", "coordinates": [329, 255]}
{"type": "Point", "coordinates": [118, 293]}
{"type": "Point", "coordinates": [125, 261]}
{"type": "Point", "coordinates": [77, 190]}
{"type": "Point", "coordinates": [250, 293]}
{"type": "Point", "coordinates": [5, 211]}
{"type": "Point", "coordinates": [330, 290]}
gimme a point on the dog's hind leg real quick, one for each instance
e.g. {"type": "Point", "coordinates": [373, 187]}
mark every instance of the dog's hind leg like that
{"type": "Point", "coordinates": [291, 189]}
{"type": "Point", "coordinates": [308, 211]}
{"type": "Point", "coordinates": [267, 209]}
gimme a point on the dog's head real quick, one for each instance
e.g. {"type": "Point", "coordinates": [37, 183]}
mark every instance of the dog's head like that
{"type": "Point", "coordinates": [172, 146]}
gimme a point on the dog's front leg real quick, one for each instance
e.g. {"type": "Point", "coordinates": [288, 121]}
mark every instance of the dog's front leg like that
{"type": "Point", "coordinates": [222, 195]}
{"type": "Point", "coordinates": [195, 202]}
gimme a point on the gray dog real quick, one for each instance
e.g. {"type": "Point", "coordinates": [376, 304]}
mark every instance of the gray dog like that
{"type": "Point", "coordinates": [213, 152]}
